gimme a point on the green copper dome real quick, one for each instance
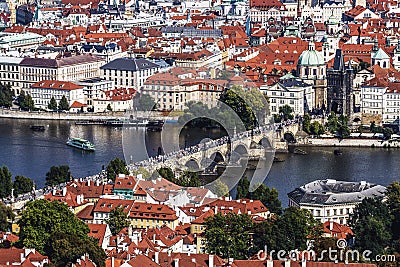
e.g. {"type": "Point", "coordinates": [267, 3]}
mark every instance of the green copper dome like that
{"type": "Point", "coordinates": [311, 57]}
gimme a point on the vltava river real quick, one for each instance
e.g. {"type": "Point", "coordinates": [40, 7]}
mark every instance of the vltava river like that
{"type": "Point", "coordinates": [30, 153]}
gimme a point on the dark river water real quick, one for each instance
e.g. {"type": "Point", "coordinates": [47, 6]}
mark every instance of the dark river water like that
{"type": "Point", "coordinates": [29, 153]}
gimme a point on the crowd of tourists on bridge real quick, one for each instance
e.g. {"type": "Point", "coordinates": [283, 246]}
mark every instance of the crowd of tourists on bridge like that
{"type": "Point", "coordinates": [201, 147]}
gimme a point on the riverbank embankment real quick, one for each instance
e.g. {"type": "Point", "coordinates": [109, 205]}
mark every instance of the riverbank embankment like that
{"type": "Point", "coordinates": [43, 115]}
{"type": "Point", "coordinates": [353, 142]}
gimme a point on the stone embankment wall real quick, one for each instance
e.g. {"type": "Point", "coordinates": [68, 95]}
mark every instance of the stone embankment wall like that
{"type": "Point", "coordinates": [17, 114]}
{"type": "Point", "coordinates": [334, 142]}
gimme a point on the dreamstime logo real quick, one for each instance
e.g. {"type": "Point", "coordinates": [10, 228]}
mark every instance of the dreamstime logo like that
{"type": "Point", "coordinates": [340, 253]}
{"type": "Point", "coordinates": [247, 143]}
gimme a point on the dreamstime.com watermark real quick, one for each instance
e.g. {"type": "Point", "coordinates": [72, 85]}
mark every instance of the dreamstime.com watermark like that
{"type": "Point", "coordinates": [337, 254]}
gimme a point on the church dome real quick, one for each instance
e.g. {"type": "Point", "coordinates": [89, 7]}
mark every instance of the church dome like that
{"type": "Point", "coordinates": [311, 57]}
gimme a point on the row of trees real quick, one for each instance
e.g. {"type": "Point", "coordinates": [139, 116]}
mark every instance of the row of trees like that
{"type": "Point", "coordinates": [238, 236]}
{"type": "Point", "coordinates": [21, 184]}
{"type": "Point", "coordinates": [376, 223]}
{"type": "Point", "coordinates": [336, 125]}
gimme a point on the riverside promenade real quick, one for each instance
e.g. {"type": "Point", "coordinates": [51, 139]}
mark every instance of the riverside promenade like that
{"type": "Point", "coordinates": [349, 142]}
{"type": "Point", "coordinates": [73, 116]}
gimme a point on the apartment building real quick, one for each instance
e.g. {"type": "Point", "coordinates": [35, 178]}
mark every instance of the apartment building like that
{"type": "Point", "coordinates": [73, 68]}
{"type": "Point", "coordinates": [43, 91]}
{"type": "Point", "coordinates": [129, 72]}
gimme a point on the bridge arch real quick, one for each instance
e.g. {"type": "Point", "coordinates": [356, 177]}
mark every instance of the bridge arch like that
{"type": "Point", "coordinates": [192, 165]}
{"type": "Point", "coordinates": [289, 137]}
{"type": "Point", "coordinates": [217, 157]}
{"type": "Point", "coordinates": [241, 149]}
{"type": "Point", "coordinates": [265, 142]}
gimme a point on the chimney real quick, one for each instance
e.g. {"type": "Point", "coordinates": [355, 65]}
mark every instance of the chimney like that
{"type": "Point", "coordinates": [176, 262]}
{"type": "Point", "coordinates": [331, 225]}
{"type": "Point", "coordinates": [156, 254]}
{"type": "Point", "coordinates": [112, 262]}
{"type": "Point", "coordinates": [64, 191]}
{"type": "Point", "coordinates": [210, 260]}
{"type": "Point", "coordinates": [88, 182]}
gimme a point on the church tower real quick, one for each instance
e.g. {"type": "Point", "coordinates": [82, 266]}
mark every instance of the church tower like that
{"type": "Point", "coordinates": [340, 86]}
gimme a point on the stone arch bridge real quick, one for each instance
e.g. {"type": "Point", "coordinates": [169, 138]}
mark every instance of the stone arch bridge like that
{"type": "Point", "coordinates": [251, 145]}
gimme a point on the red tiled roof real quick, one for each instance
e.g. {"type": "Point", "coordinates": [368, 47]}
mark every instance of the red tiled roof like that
{"type": "Point", "coordinates": [59, 85]}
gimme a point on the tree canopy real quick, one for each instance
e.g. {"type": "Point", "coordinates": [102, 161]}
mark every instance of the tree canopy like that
{"type": "Point", "coordinates": [118, 220]}
{"type": "Point", "coordinates": [269, 197]}
{"type": "Point", "coordinates": [26, 102]}
{"type": "Point", "coordinates": [57, 175]}
{"type": "Point", "coordinates": [52, 104]}
{"type": "Point", "coordinates": [5, 182]}
{"type": "Point", "coordinates": [146, 102]}
{"type": "Point", "coordinates": [6, 96]}
{"type": "Point", "coordinates": [228, 236]}
{"type": "Point", "coordinates": [285, 113]}
{"type": "Point", "coordinates": [53, 230]}
{"type": "Point", "coordinates": [115, 167]}
{"type": "Point", "coordinates": [6, 214]}
{"type": "Point", "coordinates": [22, 185]}
{"type": "Point", "coordinates": [63, 104]}
{"type": "Point", "coordinates": [371, 222]}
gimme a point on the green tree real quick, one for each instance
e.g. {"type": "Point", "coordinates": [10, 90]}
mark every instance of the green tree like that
{"type": "Point", "coordinates": [109, 108]}
{"type": "Point", "coordinates": [53, 230]}
{"type": "Point", "coordinates": [63, 104]}
{"type": "Point", "coordinates": [286, 112]}
{"type": "Point", "coordinates": [307, 123]}
{"type": "Point", "coordinates": [166, 173]}
{"type": "Point", "coordinates": [317, 128]}
{"type": "Point", "coordinates": [6, 96]}
{"type": "Point", "coordinates": [343, 126]}
{"type": "Point", "coordinates": [41, 219]}
{"type": "Point", "coordinates": [5, 182]}
{"type": "Point", "coordinates": [57, 175]}
{"type": "Point", "coordinates": [188, 179]}
{"type": "Point", "coordinates": [220, 188]}
{"type": "Point", "coordinates": [371, 222]}
{"type": "Point", "coordinates": [246, 105]}
{"type": "Point", "coordinates": [64, 249]}
{"type": "Point", "coordinates": [332, 123]}
{"type": "Point", "coordinates": [228, 236]}
{"type": "Point", "coordinates": [21, 98]}
{"type": "Point", "coordinates": [146, 102]}
{"type": "Point", "coordinates": [22, 185]}
{"type": "Point", "coordinates": [115, 167]}
{"type": "Point", "coordinates": [393, 202]}
{"type": "Point", "coordinates": [118, 220]}
{"type": "Point", "coordinates": [27, 103]}
{"type": "Point", "coordinates": [146, 174]}
{"type": "Point", "coordinates": [52, 104]}
{"type": "Point", "coordinates": [294, 228]}
{"type": "Point", "coordinates": [6, 215]}
{"type": "Point", "coordinates": [269, 197]}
